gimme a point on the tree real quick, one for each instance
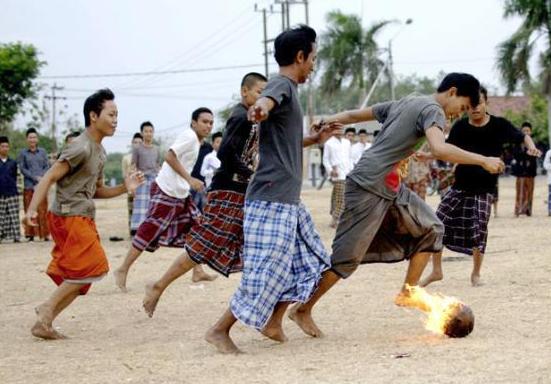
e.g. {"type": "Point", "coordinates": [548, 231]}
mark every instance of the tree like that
{"type": "Point", "coordinates": [514, 53]}
{"type": "Point", "coordinates": [19, 66]}
{"type": "Point", "coordinates": [348, 54]}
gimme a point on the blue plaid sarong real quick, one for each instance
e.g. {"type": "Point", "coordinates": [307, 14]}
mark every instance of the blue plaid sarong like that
{"type": "Point", "coordinates": [141, 202]}
{"type": "Point", "coordinates": [283, 258]}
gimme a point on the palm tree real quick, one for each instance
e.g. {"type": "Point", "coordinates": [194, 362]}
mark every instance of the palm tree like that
{"type": "Point", "coordinates": [348, 53]}
{"type": "Point", "coordinates": [515, 52]}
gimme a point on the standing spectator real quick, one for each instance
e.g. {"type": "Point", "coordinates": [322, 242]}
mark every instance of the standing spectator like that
{"type": "Point", "coordinates": [350, 135]}
{"type": "Point", "coordinates": [211, 162]}
{"type": "Point", "coordinates": [547, 167]}
{"type": "Point", "coordinates": [33, 163]}
{"type": "Point", "coordinates": [357, 149]}
{"type": "Point", "coordinates": [336, 160]}
{"type": "Point", "coordinates": [137, 139]}
{"type": "Point", "coordinates": [524, 168]}
{"type": "Point", "coordinates": [146, 158]}
{"type": "Point", "coordinates": [9, 201]}
{"type": "Point", "coordinates": [200, 197]}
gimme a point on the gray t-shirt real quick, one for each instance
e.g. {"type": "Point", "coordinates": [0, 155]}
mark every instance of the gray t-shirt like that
{"type": "Point", "coordinates": [404, 124]}
{"type": "Point", "coordinates": [75, 191]}
{"type": "Point", "coordinates": [147, 159]}
{"type": "Point", "coordinates": [278, 177]}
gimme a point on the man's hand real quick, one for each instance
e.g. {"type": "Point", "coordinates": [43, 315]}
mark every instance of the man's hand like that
{"type": "Point", "coordinates": [133, 181]}
{"type": "Point", "coordinates": [31, 218]}
{"type": "Point", "coordinates": [257, 113]}
{"type": "Point", "coordinates": [493, 165]}
{"type": "Point", "coordinates": [533, 151]}
{"type": "Point", "coordinates": [196, 184]}
{"type": "Point", "coordinates": [423, 156]}
{"type": "Point", "coordinates": [326, 130]}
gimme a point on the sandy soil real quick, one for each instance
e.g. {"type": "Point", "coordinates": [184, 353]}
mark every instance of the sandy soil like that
{"type": "Point", "coordinates": [113, 341]}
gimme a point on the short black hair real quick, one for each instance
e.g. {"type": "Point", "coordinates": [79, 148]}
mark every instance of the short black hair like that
{"type": "Point", "coordinates": [137, 135]}
{"type": "Point", "coordinates": [251, 78]}
{"type": "Point", "coordinates": [375, 133]}
{"type": "Point", "coordinates": [72, 135]}
{"type": "Point", "coordinates": [467, 85]}
{"type": "Point", "coordinates": [216, 135]}
{"type": "Point", "coordinates": [146, 124]}
{"type": "Point", "coordinates": [526, 124]}
{"type": "Point", "coordinates": [94, 103]}
{"type": "Point", "coordinates": [290, 42]}
{"type": "Point", "coordinates": [4, 139]}
{"type": "Point", "coordinates": [362, 131]}
{"type": "Point", "coordinates": [484, 92]}
{"type": "Point", "coordinates": [29, 131]}
{"type": "Point", "coordinates": [350, 129]}
{"type": "Point", "coordinates": [195, 115]}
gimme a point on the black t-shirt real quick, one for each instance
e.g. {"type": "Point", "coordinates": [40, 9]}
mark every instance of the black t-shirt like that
{"type": "Point", "coordinates": [204, 150]}
{"type": "Point", "coordinates": [233, 174]}
{"type": "Point", "coordinates": [487, 141]}
{"type": "Point", "coordinates": [523, 165]}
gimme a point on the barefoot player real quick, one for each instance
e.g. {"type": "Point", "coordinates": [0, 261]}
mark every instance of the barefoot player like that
{"type": "Point", "coordinates": [78, 258]}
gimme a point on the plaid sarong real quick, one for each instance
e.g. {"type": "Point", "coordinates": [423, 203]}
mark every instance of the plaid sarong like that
{"type": "Point", "coordinates": [9, 218]}
{"type": "Point", "coordinates": [465, 217]}
{"type": "Point", "coordinates": [168, 221]}
{"type": "Point", "coordinates": [283, 258]}
{"type": "Point", "coordinates": [218, 238]}
{"type": "Point", "coordinates": [337, 199]}
{"type": "Point", "coordinates": [140, 204]}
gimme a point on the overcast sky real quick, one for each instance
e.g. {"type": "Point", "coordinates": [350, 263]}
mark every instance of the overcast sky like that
{"type": "Point", "coordinates": [87, 37]}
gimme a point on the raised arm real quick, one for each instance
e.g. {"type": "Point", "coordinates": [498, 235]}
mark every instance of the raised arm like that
{"type": "Point", "coordinates": [352, 116]}
{"type": "Point", "coordinates": [448, 152]}
{"type": "Point", "coordinates": [261, 109]}
{"type": "Point", "coordinates": [175, 164]}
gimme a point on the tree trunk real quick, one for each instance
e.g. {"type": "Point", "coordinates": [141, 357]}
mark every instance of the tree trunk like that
{"type": "Point", "coordinates": [548, 96]}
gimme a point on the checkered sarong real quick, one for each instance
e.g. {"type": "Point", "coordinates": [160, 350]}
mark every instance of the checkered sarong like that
{"type": "Point", "coordinates": [283, 259]}
{"type": "Point", "coordinates": [9, 218]}
{"type": "Point", "coordinates": [140, 204]}
{"type": "Point", "coordinates": [218, 238]}
{"type": "Point", "coordinates": [465, 218]}
{"type": "Point", "coordinates": [337, 199]}
{"type": "Point", "coordinates": [168, 221]}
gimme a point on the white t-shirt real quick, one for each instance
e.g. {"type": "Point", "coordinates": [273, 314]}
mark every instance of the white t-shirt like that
{"type": "Point", "coordinates": [210, 164]}
{"type": "Point", "coordinates": [547, 165]}
{"type": "Point", "coordinates": [337, 153]}
{"type": "Point", "coordinates": [357, 151]}
{"type": "Point", "coordinates": [186, 149]}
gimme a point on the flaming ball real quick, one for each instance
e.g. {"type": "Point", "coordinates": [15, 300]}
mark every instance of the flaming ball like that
{"type": "Point", "coordinates": [460, 321]}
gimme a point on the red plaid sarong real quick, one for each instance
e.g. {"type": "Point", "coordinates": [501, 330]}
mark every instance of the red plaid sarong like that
{"type": "Point", "coordinates": [217, 240]}
{"type": "Point", "coordinates": [168, 221]}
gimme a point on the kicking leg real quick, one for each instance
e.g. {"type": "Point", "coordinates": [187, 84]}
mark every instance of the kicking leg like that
{"type": "Point", "coordinates": [416, 267]}
{"type": "Point", "coordinates": [477, 264]}
{"type": "Point", "coordinates": [436, 273]}
{"type": "Point", "coordinates": [219, 334]}
{"type": "Point", "coordinates": [199, 274]}
{"type": "Point", "coordinates": [153, 291]}
{"type": "Point", "coordinates": [274, 329]}
{"type": "Point", "coordinates": [301, 313]}
{"type": "Point", "coordinates": [122, 272]}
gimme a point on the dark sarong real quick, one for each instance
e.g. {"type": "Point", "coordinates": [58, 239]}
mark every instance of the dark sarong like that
{"type": "Point", "coordinates": [525, 195]}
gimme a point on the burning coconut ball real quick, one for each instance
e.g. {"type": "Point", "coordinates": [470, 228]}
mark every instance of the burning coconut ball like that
{"type": "Point", "coordinates": [460, 321]}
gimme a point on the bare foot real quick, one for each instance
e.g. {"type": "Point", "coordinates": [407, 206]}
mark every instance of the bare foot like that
{"type": "Point", "coordinates": [305, 322]}
{"type": "Point", "coordinates": [475, 280]}
{"type": "Point", "coordinates": [403, 299]}
{"type": "Point", "coordinates": [151, 298]}
{"type": "Point", "coordinates": [120, 280]}
{"type": "Point", "coordinates": [45, 332]}
{"type": "Point", "coordinates": [202, 276]}
{"type": "Point", "coordinates": [221, 341]}
{"type": "Point", "coordinates": [275, 333]}
{"type": "Point", "coordinates": [434, 276]}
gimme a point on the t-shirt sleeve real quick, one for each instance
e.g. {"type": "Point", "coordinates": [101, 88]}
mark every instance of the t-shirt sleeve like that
{"type": "Point", "coordinates": [74, 154]}
{"type": "Point", "coordinates": [183, 144]}
{"type": "Point", "coordinates": [381, 110]}
{"type": "Point", "coordinates": [511, 134]}
{"type": "Point", "coordinates": [430, 116]}
{"type": "Point", "coordinates": [277, 89]}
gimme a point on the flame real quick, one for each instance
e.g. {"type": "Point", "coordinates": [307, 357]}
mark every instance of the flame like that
{"type": "Point", "coordinates": [440, 309]}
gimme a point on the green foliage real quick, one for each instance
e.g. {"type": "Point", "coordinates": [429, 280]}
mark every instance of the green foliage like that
{"type": "Point", "coordinates": [113, 167]}
{"type": "Point", "coordinates": [19, 66]}
{"type": "Point", "coordinates": [18, 142]}
{"type": "Point", "coordinates": [536, 114]}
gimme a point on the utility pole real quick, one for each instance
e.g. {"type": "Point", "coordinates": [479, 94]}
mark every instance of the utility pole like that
{"type": "Point", "coordinates": [390, 72]}
{"type": "Point", "coordinates": [265, 41]}
{"type": "Point", "coordinates": [54, 98]}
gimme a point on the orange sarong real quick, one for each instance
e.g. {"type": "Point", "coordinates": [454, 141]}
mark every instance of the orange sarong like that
{"type": "Point", "coordinates": [78, 256]}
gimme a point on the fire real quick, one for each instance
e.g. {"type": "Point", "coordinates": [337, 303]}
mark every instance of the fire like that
{"type": "Point", "coordinates": [445, 315]}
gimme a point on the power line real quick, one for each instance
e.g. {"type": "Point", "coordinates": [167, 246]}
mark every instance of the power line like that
{"type": "Point", "coordinates": [148, 73]}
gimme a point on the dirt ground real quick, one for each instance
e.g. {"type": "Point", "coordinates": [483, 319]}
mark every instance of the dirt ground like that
{"type": "Point", "coordinates": [113, 341]}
